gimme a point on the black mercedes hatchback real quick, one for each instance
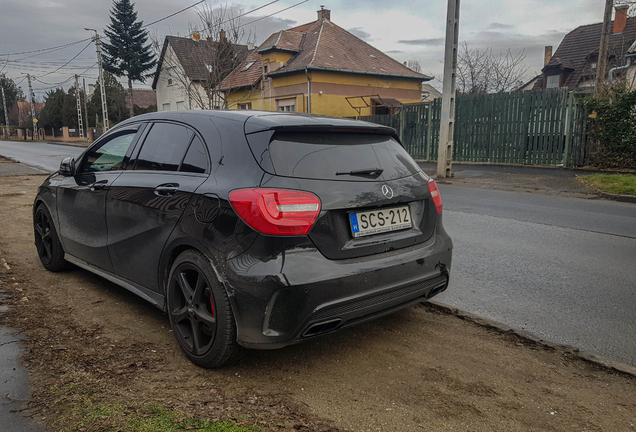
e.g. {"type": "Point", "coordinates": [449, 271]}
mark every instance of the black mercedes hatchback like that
{"type": "Point", "coordinates": [250, 229]}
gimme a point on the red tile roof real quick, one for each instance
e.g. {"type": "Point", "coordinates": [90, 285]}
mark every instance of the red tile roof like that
{"type": "Point", "coordinates": [579, 48]}
{"type": "Point", "coordinates": [241, 77]}
{"type": "Point", "coordinates": [325, 46]}
{"type": "Point", "coordinates": [143, 98]}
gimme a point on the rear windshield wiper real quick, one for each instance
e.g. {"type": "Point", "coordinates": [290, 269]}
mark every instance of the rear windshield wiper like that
{"type": "Point", "coordinates": [374, 172]}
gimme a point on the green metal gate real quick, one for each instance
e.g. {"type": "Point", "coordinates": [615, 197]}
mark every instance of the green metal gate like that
{"type": "Point", "coordinates": [538, 127]}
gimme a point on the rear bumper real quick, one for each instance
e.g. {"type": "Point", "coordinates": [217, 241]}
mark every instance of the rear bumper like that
{"type": "Point", "coordinates": [298, 294]}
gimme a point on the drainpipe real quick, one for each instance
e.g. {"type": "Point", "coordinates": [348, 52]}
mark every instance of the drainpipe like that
{"type": "Point", "coordinates": [308, 92]}
{"type": "Point", "coordinates": [620, 68]}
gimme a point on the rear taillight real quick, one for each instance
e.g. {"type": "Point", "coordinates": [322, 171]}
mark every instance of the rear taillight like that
{"type": "Point", "coordinates": [277, 212]}
{"type": "Point", "coordinates": [436, 195]}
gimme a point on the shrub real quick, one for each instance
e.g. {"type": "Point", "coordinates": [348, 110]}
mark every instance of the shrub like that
{"type": "Point", "coordinates": [614, 128]}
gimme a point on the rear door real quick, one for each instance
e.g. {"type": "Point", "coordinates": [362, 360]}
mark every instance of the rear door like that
{"type": "Point", "coordinates": [146, 201]}
{"type": "Point", "coordinates": [374, 196]}
{"type": "Point", "coordinates": [81, 199]}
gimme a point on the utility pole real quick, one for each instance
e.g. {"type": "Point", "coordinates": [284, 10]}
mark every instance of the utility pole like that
{"type": "Point", "coordinates": [35, 120]}
{"type": "Point", "coordinates": [80, 123]}
{"type": "Point", "coordinates": [601, 64]}
{"type": "Point", "coordinates": [98, 45]}
{"type": "Point", "coordinates": [447, 120]}
{"type": "Point", "coordinates": [85, 106]}
{"type": "Point", "coordinates": [6, 113]}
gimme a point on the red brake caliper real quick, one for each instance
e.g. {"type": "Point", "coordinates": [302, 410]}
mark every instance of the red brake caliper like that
{"type": "Point", "coordinates": [212, 305]}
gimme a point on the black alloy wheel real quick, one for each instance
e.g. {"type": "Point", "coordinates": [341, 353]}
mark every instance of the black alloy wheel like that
{"type": "Point", "coordinates": [46, 241]}
{"type": "Point", "coordinates": [200, 312]}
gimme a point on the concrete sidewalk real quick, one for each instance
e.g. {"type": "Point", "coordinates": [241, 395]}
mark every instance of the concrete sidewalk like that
{"type": "Point", "coordinates": [529, 179]}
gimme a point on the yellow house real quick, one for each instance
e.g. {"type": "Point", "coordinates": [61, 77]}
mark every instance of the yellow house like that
{"type": "Point", "coordinates": [321, 68]}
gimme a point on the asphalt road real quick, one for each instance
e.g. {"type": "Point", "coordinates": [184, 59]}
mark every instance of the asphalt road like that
{"type": "Point", "coordinates": [46, 157]}
{"type": "Point", "coordinates": [561, 268]}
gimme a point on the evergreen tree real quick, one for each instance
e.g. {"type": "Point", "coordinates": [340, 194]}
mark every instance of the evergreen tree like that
{"type": "Point", "coordinates": [60, 109]}
{"type": "Point", "coordinates": [115, 102]}
{"type": "Point", "coordinates": [127, 53]}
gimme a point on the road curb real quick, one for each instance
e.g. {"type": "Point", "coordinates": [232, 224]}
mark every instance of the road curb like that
{"type": "Point", "coordinates": [601, 361]}
{"type": "Point", "coordinates": [621, 198]}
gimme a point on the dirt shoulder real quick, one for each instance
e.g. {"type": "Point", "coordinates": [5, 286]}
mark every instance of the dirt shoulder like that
{"type": "Point", "coordinates": [98, 355]}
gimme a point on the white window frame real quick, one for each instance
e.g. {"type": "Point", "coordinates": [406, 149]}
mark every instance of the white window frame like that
{"type": "Point", "coordinates": [553, 81]}
{"type": "Point", "coordinates": [287, 105]}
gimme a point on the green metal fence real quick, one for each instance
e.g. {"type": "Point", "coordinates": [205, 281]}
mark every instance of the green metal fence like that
{"type": "Point", "coordinates": [538, 127]}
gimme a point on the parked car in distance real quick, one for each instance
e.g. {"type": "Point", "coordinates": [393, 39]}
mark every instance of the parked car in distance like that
{"type": "Point", "coordinates": [250, 229]}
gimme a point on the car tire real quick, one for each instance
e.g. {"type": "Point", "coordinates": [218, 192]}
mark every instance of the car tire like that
{"type": "Point", "coordinates": [200, 312]}
{"type": "Point", "coordinates": [47, 242]}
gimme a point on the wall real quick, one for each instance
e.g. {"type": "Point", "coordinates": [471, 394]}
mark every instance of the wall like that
{"type": "Point", "coordinates": [176, 92]}
{"type": "Point", "coordinates": [335, 88]}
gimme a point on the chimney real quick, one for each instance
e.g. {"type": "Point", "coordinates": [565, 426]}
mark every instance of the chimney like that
{"type": "Point", "coordinates": [222, 37]}
{"type": "Point", "coordinates": [547, 56]}
{"type": "Point", "coordinates": [620, 18]}
{"type": "Point", "coordinates": [324, 14]}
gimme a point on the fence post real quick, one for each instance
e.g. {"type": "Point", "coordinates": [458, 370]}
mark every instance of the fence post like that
{"type": "Point", "coordinates": [568, 130]}
{"type": "Point", "coordinates": [429, 132]}
{"type": "Point", "coordinates": [402, 125]}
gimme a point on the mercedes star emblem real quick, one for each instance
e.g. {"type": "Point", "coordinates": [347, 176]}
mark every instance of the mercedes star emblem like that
{"type": "Point", "coordinates": [387, 191]}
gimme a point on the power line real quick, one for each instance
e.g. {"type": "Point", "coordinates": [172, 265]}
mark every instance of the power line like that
{"type": "Point", "coordinates": [170, 16]}
{"type": "Point", "coordinates": [61, 67]}
{"type": "Point", "coordinates": [275, 13]}
{"type": "Point", "coordinates": [249, 12]}
{"type": "Point", "coordinates": [47, 49]}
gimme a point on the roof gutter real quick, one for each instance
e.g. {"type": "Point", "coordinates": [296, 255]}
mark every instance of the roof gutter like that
{"type": "Point", "coordinates": [620, 68]}
{"type": "Point", "coordinates": [422, 78]}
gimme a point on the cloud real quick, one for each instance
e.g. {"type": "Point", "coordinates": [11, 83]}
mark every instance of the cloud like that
{"type": "Point", "coordinates": [357, 31]}
{"type": "Point", "coordinates": [425, 42]}
{"type": "Point", "coordinates": [394, 52]}
{"type": "Point", "coordinates": [500, 26]}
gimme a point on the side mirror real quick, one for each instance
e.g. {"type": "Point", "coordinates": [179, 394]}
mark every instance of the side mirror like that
{"type": "Point", "coordinates": [67, 167]}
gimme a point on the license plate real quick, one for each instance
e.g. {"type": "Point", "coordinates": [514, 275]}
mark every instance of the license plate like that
{"type": "Point", "coordinates": [379, 221]}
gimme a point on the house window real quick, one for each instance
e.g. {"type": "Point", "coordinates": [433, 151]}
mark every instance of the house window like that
{"type": "Point", "coordinates": [593, 65]}
{"type": "Point", "coordinates": [169, 81]}
{"type": "Point", "coordinates": [553, 81]}
{"type": "Point", "coordinates": [288, 105]}
{"type": "Point", "coordinates": [181, 105]}
{"type": "Point", "coordinates": [245, 106]}
{"type": "Point", "coordinates": [247, 66]}
{"type": "Point", "coordinates": [265, 68]}
{"type": "Point", "coordinates": [165, 107]}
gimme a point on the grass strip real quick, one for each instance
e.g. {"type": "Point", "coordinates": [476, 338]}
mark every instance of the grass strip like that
{"type": "Point", "coordinates": [620, 184]}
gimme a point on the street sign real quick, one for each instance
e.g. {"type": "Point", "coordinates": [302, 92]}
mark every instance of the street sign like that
{"type": "Point", "coordinates": [35, 120]}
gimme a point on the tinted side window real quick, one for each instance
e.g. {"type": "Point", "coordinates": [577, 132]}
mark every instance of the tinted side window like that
{"type": "Point", "coordinates": [108, 155]}
{"type": "Point", "coordinates": [164, 147]}
{"type": "Point", "coordinates": [196, 160]}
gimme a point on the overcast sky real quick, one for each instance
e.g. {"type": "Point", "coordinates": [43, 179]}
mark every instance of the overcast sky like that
{"type": "Point", "coordinates": [403, 29]}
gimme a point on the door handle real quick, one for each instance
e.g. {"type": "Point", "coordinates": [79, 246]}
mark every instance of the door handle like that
{"type": "Point", "coordinates": [99, 185]}
{"type": "Point", "coordinates": [166, 189]}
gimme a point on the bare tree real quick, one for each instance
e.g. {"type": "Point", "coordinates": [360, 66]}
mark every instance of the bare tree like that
{"type": "Point", "coordinates": [482, 71]}
{"type": "Point", "coordinates": [214, 50]}
{"type": "Point", "coordinates": [414, 65]}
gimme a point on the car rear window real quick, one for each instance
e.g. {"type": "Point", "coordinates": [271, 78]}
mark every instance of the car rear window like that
{"type": "Point", "coordinates": [337, 156]}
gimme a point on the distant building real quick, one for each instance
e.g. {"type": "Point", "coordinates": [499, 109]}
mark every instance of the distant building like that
{"type": "Point", "coordinates": [20, 114]}
{"type": "Point", "coordinates": [529, 85]}
{"type": "Point", "coordinates": [321, 68]}
{"type": "Point", "coordinates": [188, 72]}
{"type": "Point", "coordinates": [573, 64]}
{"type": "Point", "coordinates": [430, 93]}
{"type": "Point", "coordinates": [143, 98]}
